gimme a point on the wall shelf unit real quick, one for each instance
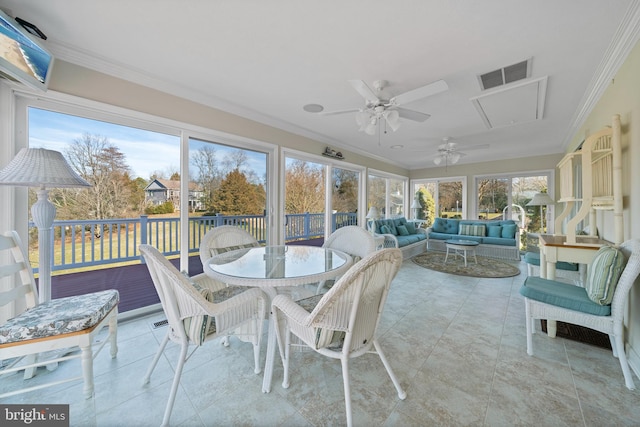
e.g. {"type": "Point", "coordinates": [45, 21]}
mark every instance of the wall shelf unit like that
{"type": "Point", "coordinates": [600, 162]}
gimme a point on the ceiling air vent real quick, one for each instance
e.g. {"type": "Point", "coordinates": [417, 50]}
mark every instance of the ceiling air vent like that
{"type": "Point", "coordinates": [502, 76]}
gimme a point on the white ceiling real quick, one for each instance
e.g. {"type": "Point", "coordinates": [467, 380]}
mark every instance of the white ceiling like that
{"type": "Point", "coordinates": [266, 59]}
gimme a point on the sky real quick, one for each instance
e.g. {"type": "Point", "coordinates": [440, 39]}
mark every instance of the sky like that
{"type": "Point", "coordinates": [145, 151]}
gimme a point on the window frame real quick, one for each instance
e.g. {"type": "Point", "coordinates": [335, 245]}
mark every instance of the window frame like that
{"type": "Point", "coordinates": [20, 100]}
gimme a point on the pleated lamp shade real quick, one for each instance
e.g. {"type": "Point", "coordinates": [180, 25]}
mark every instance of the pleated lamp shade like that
{"type": "Point", "coordinates": [39, 167]}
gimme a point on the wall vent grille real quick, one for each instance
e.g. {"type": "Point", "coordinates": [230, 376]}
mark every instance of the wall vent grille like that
{"type": "Point", "coordinates": [160, 324]}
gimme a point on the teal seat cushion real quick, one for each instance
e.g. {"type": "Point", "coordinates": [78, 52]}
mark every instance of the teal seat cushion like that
{"type": "Point", "coordinates": [468, 238]}
{"type": "Point", "coordinates": [562, 295]}
{"type": "Point", "coordinates": [498, 241]}
{"type": "Point", "coordinates": [409, 239]}
{"type": "Point", "coordinates": [533, 258]}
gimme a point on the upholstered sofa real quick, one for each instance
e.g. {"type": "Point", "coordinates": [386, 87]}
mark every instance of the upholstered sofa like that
{"type": "Point", "coordinates": [497, 239]}
{"type": "Point", "coordinates": [403, 234]}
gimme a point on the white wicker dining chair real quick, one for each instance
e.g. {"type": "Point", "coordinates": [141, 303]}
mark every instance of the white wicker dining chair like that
{"type": "Point", "coordinates": [353, 240]}
{"type": "Point", "coordinates": [553, 292]}
{"type": "Point", "coordinates": [225, 238]}
{"type": "Point", "coordinates": [198, 313]}
{"type": "Point", "coordinates": [36, 334]}
{"type": "Point", "coordinates": [342, 324]}
{"type": "Point", "coordinates": [218, 240]}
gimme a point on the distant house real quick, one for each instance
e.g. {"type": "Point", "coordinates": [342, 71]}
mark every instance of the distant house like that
{"type": "Point", "coordinates": [160, 191]}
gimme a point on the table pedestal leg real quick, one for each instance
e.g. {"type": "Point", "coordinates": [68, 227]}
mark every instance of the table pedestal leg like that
{"type": "Point", "coordinates": [271, 355]}
{"type": "Point", "coordinates": [271, 345]}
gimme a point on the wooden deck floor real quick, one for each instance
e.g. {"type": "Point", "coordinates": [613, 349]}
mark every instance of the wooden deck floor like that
{"type": "Point", "coordinates": [132, 281]}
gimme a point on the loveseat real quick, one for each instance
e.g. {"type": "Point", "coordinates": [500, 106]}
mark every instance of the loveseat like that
{"type": "Point", "coordinates": [497, 239]}
{"type": "Point", "coordinates": [403, 234]}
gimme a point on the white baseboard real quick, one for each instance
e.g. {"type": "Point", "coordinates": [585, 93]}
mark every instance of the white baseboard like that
{"type": "Point", "coordinates": [633, 358]}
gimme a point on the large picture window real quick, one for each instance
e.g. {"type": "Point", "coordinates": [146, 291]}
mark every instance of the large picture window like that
{"type": "Point", "coordinates": [164, 184]}
{"type": "Point", "coordinates": [386, 194]}
{"type": "Point", "coordinates": [439, 198]}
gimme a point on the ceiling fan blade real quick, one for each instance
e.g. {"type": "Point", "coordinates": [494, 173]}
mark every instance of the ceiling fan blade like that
{"type": "Point", "coordinates": [476, 147]}
{"type": "Point", "coordinates": [393, 119]}
{"type": "Point", "coordinates": [416, 116]}
{"type": "Point", "coordinates": [365, 91]}
{"type": "Point", "coordinates": [419, 93]}
{"type": "Point", "coordinates": [333, 113]}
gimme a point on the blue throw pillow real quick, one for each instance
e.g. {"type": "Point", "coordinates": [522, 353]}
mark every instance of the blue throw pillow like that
{"type": "Point", "coordinates": [494, 231]}
{"type": "Point", "coordinates": [392, 226]}
{"type": "Point", "coordinates": [402, 230]}
{"type": "Point", "coordinates": [509, 231]}
{"type": "Point", "coordinates": [385, 230]}
{"type": "Point", "coordinates": [410, 228]}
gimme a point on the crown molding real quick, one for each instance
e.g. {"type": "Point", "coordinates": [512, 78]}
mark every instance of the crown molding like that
{"type": "Point", "coordinates": [623, 41]}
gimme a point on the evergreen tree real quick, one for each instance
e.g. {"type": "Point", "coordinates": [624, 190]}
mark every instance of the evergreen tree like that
{"type": "Point", "coordinates": [237, 196]}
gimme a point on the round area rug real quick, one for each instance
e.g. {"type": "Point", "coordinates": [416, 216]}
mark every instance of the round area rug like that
{"type": "Point", "coordinates": [486, 267]}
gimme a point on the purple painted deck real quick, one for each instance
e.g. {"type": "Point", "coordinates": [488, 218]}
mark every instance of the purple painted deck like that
{"type": "Point", "coordinates": [132, 281]}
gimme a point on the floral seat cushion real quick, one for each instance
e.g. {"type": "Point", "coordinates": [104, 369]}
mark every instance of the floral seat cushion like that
{"type": "Point", "coordinates": [59, 316]}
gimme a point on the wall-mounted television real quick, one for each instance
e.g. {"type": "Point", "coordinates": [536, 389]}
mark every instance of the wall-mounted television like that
{"type": "Point", "coordinates": [23, 57]}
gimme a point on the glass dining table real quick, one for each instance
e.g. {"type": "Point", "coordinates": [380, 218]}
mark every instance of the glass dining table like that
{"type": "Point", "coordinates": [275, 267]}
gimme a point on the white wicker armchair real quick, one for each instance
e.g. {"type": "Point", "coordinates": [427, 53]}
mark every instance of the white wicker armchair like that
{"type": "Point", "coordinates": [609, 324]}
{"type": "Point", "coordinates": [343, 323]}
{"type": "Point", "coordinates": [197, 313]}
{"type": "Point", "coordinates": [352, 240]}
{"type": "Point", "coordinates": [222, 239]}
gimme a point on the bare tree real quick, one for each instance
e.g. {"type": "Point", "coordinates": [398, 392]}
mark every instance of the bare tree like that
{"type": "Point", "coordinates": [304, 188]}
{"type": "Point", "coordinates": [345, 193]}
{"type": "Point", "coordinates": [104, 166]}
{"type": "Point", "coordinates": [208, 174]}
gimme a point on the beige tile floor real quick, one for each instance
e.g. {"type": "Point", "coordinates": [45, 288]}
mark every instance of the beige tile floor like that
{"type": "Point", "coordinates": [457, 345]}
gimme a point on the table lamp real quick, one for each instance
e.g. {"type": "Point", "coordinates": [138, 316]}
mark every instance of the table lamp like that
{"type": "Point", "coordinates": [372, 215]}
{"type": "Point", "coordinates": [38, 167]}
{"type": "Point", "coordinates": [541, 199]}
{"type": "Point", "coordinates": [416, 206]}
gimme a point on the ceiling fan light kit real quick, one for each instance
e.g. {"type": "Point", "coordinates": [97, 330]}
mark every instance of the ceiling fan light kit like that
{"type": "Point", "coordinates": [378, 107]}
{"type": "Point", "coordinates": [447, 153]}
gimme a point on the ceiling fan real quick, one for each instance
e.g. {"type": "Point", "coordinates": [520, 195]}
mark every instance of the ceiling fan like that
{"type": "Point", "coordinates": [379, 106]}
{"type": "Point", "coordinates": [447, 153]}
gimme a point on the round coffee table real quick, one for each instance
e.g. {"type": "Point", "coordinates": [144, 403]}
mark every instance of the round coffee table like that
{"type": "Point", "coordinates": [462, 248]}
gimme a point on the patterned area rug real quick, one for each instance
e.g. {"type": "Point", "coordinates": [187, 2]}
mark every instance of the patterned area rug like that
{"type": "Point", "coordinates": [486, 267]}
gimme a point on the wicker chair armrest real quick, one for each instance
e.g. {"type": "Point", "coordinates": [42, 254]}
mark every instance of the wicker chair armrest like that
{"type": "Point", "coordinates": [390, 241]}
{"type": "Point", "coordinates": [207, 282]}
{"type": "Point", "coordinates": [291, 310]}
{"type": "Point", "coordinates": [229, 313]}
{"type": "Point", "coordinates": [246, 297]}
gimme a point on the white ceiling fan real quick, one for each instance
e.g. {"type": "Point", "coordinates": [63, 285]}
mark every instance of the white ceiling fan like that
{"type": "Point", "coordinates": [379, 106]}
{"type": "Point", "coordinates": [448, 152]}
